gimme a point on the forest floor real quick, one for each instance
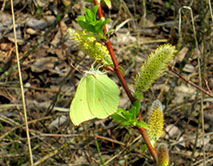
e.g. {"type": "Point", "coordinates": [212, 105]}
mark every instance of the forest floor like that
{"type": "Point", "coordinates": [52, 66]}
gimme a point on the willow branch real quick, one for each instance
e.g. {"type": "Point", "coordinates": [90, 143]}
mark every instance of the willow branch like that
{"type": "Point", "coordinates": [125, 86]}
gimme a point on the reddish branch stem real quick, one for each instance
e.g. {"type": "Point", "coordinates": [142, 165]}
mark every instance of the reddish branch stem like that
{"type": "Point", "coordinates": [146, 139]}
{"type": "Point", "coordinates": [118, 71]}
{"type": "Point", "coordinates": [189, 82]}
{"type": "Point", "coordinates": [125, 86]}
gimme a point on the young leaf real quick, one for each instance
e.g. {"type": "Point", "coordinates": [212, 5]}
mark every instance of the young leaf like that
{"type": "Point", "coordinates": [85, 25]}
{"type": "Point", "coordinates": [119, 116]}
{"type": "Point", "coordinates": [142, 124]}
{"type": "Point", "coordinates": [89, 23]}
{"type": "Point", "coordinates": [143, 147]}
{"type": "Point", "coordinates": [81, 18]}
{"type": "Point", "coordinates": [100, 26]}
{"type": "Point", "coordinates": [108, 3]}
{"type": "Point", "coordinates": [137, 107]}
{"type": "Point", "coordinates": [129, 117]}
{"type": "Point", "coordinates": [97, 96]}
{"type": "Point", "coordinates": [89, 16]}
{"type": "Point", "coordinates": [95, 9]}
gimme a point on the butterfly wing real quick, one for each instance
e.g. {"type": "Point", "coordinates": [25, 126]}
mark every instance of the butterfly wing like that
{"type": "Point", "coordinates": [103, 96]}
{"type": "Point", "coordinates": [79, 109]}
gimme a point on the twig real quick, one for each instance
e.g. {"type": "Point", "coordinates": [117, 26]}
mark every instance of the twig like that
{"type": "Point", "coordinates": [118, 71]}
{"type": "Point", "coordinates": [46, 157]}
{"type": "Point", "coordinates": [189, 82]}
{"type": "Point", "coordinates": [109, 139]}
{"type": "Point", "coordinates": [207, 85]}
{"type": "Point", "coordinates": [125, 86]}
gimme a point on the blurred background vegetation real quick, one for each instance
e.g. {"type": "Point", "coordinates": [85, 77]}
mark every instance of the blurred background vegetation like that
{"type": "Point", "coordinates": [52, 67]}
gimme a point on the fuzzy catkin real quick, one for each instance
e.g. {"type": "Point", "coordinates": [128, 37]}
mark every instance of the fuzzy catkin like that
{"type": "Point", "coordinates": [90, 46]}
{"type": "Point", "coordinates": [162, 155]}
{"type": "Point", "coordinates": [154, 66]}
{"type": "Point", "coordinates": [156, 122]}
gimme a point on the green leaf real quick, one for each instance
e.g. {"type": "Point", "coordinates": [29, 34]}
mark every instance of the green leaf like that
{"type": "Point", "coordinates": [100, 25]}
{"type": "Point", "coordinates": [137, 105]}
{"type": "Point", "coordinates": [134, 110]}
{"type": "Point", "coordinates": [80, 18]}
{"type": "Point", "coordinates": [89, 16]}
{"type": "Point", "coordinates": [129, 117]}
{"type": "Point", "coordinates": [97, 96]}
{"type": "Point", "coordinates": [86, 26]}
{"type": "Point", "coordinates": [125, 123]}
{"type": "Point", "coordinates": [119, 116]}
{"type": "Point", "coordinates": [95, 9]}
{"type": "Point", "coordinates": [108, 3]}
{"type": "Point", "coordinates": [122, 69]}
{"type": "Point", "coordinates": [143, 147]}
{"type": "Point", "coordinates": [142, 124]}
{"type": "Point", "coordinates": [91, 24]}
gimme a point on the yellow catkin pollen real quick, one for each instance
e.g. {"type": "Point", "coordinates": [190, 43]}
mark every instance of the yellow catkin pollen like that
{"type": "Point", "coordinates": [163, 155]}
{"type": "Point", "coordinates": [156, 121]}
{"type": "Point", "coordinates": [90, 46]}
{"type": "Point", "coordinates": [153, 68]}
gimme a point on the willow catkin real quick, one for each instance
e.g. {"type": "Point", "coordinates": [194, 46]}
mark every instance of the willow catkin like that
{"type": "Point", "coordinates": [154, 66]}
{"type": "Point", "coordinates": [90, 46]}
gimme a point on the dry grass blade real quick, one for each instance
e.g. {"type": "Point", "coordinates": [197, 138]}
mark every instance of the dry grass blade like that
{"type": "Point", "coordinates": [46, 157]}
{"type": "Point", "coordinates": [210, 8]}
{"type": "Point", "coordinates": [200, 78]}
{"type": "Point", "coordinates": [21, 85]}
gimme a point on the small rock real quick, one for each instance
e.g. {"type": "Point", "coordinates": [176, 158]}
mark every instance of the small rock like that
{"type": "Point", "coordinates": [31, 31]}
{"type": "Point", "coordinates": [172, 130]}
{"type": "Point", "coordinates": [58, 121]}
{"type": "Point", "coordinates": [36, 24]}
{"type": "Point", "coordinates": [182, 54]}
{"type": "Point", "coordinates": [189, 68]}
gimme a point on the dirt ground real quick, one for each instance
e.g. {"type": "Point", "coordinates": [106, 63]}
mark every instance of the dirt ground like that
{"type": "Point", "coordinates": [52, 65]}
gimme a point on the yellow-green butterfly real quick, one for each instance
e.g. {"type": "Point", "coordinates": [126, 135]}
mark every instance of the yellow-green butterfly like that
{"type": "Point", "coordinates": [97, 96]}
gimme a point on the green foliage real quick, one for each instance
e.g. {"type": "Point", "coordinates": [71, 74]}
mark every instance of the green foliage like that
{"type": "Point", "coordinates": [129, 117]}
{"type": "Point", "coordinates": [107, 2]}
{"type": "Point", "coordinates": [168, 3]}
{"type": "Point", "coordinates": [152, 69]}
{"type": "Point", "coordinates": [97, 96]}
{"type": "Point", "coordinates": [143, 147]}
{"type": "Point", "coordinates": [89, 23]}
{"type": "Point", "coordinates": [39, 11]}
